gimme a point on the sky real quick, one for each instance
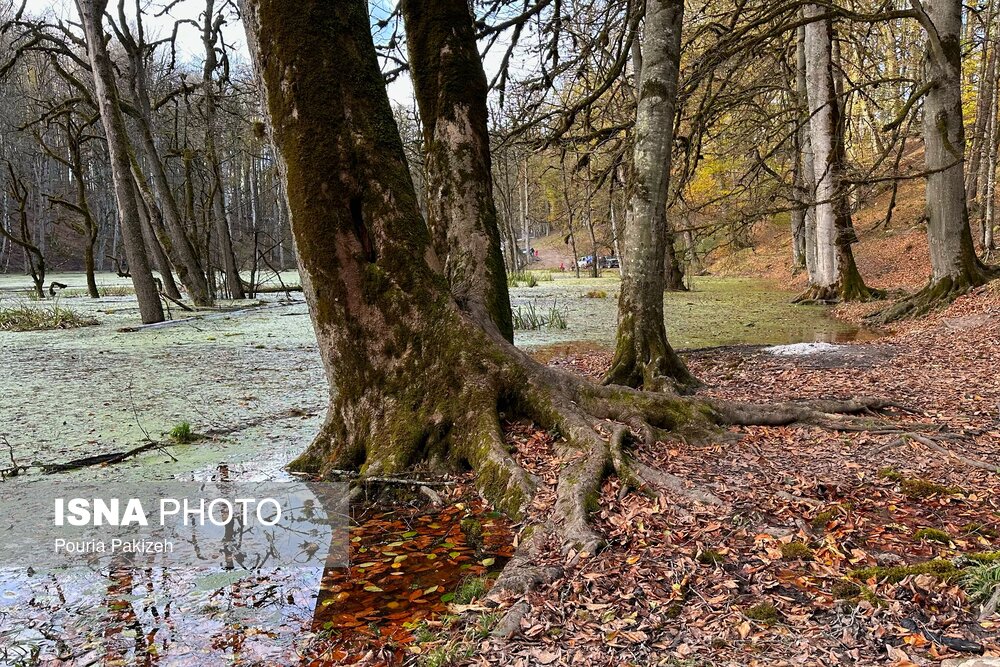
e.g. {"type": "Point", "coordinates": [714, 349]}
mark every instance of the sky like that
{"type": "Point", "coordinates": [189, 47]}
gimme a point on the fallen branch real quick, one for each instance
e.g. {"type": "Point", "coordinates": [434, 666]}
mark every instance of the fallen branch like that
{"type": "Point", "coordinates": [100, 459]}
{"type": "Point", "coordinates": [15, 469]}
{"type": "Point", "coordinates": [180, 304]}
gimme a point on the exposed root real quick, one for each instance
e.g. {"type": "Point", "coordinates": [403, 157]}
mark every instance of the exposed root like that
{"type": "Point", "coordinates": [644, 478]}
{"type": "Point", "coordinates": [818, 294]}
{"type": "Point", "coordinates": [932, 444]}
{"type": "Point", "coordinates": [387, 437]}
{"type": "Point", "coordinates": [825, 413]}
{"type": "Point", "coordinates": [585, 456]}
{"type": "Point", "coordinates": [934, 296]}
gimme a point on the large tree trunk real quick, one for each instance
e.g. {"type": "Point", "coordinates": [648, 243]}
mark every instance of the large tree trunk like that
{"type": "Point", "coordinates": [414, 379]}
{"type": "Point", "coordinates": [643, 356]}
{"type": "Point", "coordinates": [955, 268]}
{"type": "Point", "coordinates": [450, 88]}
{"type": "Point", "coordinates": [91, 15]}
{"type": "Point", "coordinates": [151, 220]}
{"type": "Point", "coordinates": [837, 274]}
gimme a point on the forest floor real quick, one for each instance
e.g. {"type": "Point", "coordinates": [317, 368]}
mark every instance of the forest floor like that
{"type": "Point", "coordinates": [722, 586]}
{"type": "Point", "coordinates": [677, 585]}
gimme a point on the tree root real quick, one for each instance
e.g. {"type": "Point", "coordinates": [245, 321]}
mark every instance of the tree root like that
{"type": "Point", "coordinates": [818, 294]}
{"type": "Point", "coordinates": [932, 444]}
{"type": "Point", "coordinates": [458, 423]}
{"type": "Point", "coordinates": [935, 296]}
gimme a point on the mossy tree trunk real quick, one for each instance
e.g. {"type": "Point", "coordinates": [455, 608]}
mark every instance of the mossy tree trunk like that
{"type": "Point", "coordinates": [643, 356]}
{"type": "Point", "coordinates": [955, 268]}
{"type": "Point", "coordinates": [92, 18]}
{"type": "Point", "coordinates": [837, 275]}
{"type": "Point", "coordinates": [415, 380]}
{"type": "Point", "coordinates": [451, 89]}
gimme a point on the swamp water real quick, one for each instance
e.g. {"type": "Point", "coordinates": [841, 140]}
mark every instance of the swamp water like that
{"type": "Point", "coordinates": [254, 378]}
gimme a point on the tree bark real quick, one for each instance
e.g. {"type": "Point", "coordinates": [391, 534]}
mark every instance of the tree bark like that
{"type": "Point", "coordinates": [159, 257]}
{"type": "Point", "coordinates": [803, 218]}
{"type": "Point", "coordinates": [414, 379]}
{"type": "Point", "coordinates": [91, 15]}
{"type": "Point", "coordinates": [836, 275]}
{"type": "Point", "coordinates": [210, 27]}
{"type": "Point", "coordinates": [450, 88]}
{"type": "Point", "coordinates": [955, 268]}
{"type": "Point", "coordinates": [171, 236]}
{"type": "Point", "coordinates": [986, 102]}
{"type": "Point", "coordinates": [643, 356]}
{"type": "Point", "coordinates": [953, 258]}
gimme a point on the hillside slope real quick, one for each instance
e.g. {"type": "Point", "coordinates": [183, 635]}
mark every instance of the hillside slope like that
{"type": "Point", "coordinates": [888, 258]}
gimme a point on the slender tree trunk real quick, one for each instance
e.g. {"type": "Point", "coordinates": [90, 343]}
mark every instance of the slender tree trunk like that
{"type": "Point", "coordinates": [91, 15]}
{"type": "Point", "coordinates": [837, 274]}
{"type": "Point", "coordinates": [89, 225]}
{"type": "Point", "coordinates": [172, 236]}
{"type": "Point", "coordinates": [643, 355]}
{"type": "Point", "coordinates": [989, 213]}
{"type": "Point", "coordinates": [210, 31]}
{"type": "Point", "coordinates": [570, 219]}
{"type": "Point", "coordinates": [986, 102]}
{"type": "Point", "coordinates": [156, 252]}
{"type": "Point", "coordinates": [450, 88]}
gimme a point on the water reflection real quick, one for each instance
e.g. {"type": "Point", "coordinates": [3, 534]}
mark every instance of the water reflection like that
{"type": "Point", "coordinates": [406, 565]}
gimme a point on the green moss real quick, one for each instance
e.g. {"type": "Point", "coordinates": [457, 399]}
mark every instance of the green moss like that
{"type": "Point", "coordinates": [796, 551]}
{"type": "Point", "coordinates": [932, 535]}
{"type": "Point", "coordinates": [596, 294]}
{"type": "Point", "coordinates": [938, 568]}
{"type": "Point", "coordinates": [710, 557]}
{"type": "Point", "coordinates": [921, 488]}
{"type": "Point", "coordinates": [984, 557]}
{"type": "Point", "coordinates": [473, 531]}
{"type": "Point", "coordinates": [820, 521]}
{"type": "Point", "coordinates": [763, 612]}
{"type": "Point", "coordinates": [845, 590]}
{"type": "Point", "coordinates": [918, 488]}
{"type": "Point", "coordinates": [890, 474]}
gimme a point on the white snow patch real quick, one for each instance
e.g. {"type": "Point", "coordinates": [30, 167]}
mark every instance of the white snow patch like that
{"type": "Point", "coordinates": [800, 349]}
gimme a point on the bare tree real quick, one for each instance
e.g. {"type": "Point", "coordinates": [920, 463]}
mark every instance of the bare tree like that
{"type": "Point", "coordinates": [91, 15]}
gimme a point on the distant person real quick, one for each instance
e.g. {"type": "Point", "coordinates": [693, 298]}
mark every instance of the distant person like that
{"type": "Point", "coordinates": [562, 266]}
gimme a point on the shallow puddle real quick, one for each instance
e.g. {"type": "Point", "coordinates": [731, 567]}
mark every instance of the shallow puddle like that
{"type": "Point", "coordinates": [406, 566]}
